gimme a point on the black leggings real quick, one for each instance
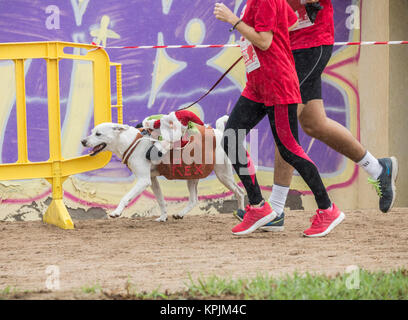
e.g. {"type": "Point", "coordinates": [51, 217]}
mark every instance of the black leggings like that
{"type": "Point", "coordinates": [283, 120]}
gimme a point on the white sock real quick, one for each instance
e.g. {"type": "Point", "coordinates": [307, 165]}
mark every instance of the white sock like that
{"type": "Point", "coordinates": [371, 165]}
{"type": "Point", "coordinates": [278, 197]}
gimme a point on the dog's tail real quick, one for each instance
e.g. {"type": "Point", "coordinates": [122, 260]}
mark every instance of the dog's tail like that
{"type": "Point", "coordinates": [220, 123]}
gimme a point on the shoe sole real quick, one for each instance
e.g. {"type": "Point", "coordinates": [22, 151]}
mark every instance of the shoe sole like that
{"type": "Point", "coordinates": [335, 223]}
{"type": "Point", "coordinates": [266, 228]}
{"type": "Point", "coordinates": [394, 177]}
{"type": "Point", "coordinates": [261, 222]}
{"type": "Point", "coordinates": [272, 229]}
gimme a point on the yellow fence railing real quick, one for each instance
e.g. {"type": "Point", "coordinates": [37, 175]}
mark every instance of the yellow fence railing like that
{"type": "Point", "coordinates": [119, 102]}
{"type": "Point", "coordinates": [57, 169]}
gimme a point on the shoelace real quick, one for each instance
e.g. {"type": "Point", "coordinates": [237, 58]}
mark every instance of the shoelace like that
{"type": "Point", "coordinates": [247, 209]}
{"type": "Point", "coordinates": [249, 217]}
{"type": "Point", "coordinates": [376, 185]}
{"type": "Point", "coordinates": [316, 219]}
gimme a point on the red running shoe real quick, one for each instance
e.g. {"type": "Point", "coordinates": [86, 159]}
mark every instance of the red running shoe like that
{"type": "Point", "coordinates": [254, 219]}
{"type": "Point", "coordinates": [324, 221]}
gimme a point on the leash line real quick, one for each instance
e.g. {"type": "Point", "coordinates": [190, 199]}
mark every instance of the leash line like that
{"type": "Point", "coordinates": [215, 84]}
{"type": "Point", "coordinates": [201, 46]}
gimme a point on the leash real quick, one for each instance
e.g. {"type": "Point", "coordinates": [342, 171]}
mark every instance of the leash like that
{"type": "Point", "coordinates": [211, 89]}
{"type": "Point", "coordinates": [215, 84]}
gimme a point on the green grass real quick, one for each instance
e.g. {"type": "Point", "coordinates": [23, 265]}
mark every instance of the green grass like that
{"type": "Point", "coordinates": [360, 285]}
{"type": "Point", "coordinates": [363, 286]}
{"type": "Point", "coordinates": [133, 293]}
{"type": "Point", "coordinates": [7, 290]}
{"type": "Point", "coordinates": [96, 288]}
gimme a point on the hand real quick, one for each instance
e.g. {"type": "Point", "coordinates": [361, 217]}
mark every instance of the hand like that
{"type": "Point", "coordinates": [223, 13]}
{"type": "Point", "coordinates": [312, 9]}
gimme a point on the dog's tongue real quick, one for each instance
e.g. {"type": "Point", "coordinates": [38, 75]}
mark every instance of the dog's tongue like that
{"type": "Point", "coordinates": [96, 149]}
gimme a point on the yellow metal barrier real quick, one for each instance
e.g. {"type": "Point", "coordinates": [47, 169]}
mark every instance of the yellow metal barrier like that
{"type": "Point", "coordinates": [119, 101]}
{"type": "Point", "coordinates": [57, 169]}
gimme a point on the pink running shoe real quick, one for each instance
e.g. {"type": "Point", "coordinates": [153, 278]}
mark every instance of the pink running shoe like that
{"type": "Point", "coordinates": [254, 219]}
{"type": "Point", "coordinates": [324, 221]}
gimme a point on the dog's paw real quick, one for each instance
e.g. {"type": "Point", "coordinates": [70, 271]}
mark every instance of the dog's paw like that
{"type": "Point", "coordinates": [161, 219]}
{"type": "Point", "coordinates": [114, 214]}
{"type": "Point", "coordinates": [177, 217]}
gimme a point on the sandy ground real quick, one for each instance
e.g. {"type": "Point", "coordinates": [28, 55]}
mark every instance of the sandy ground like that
{"type": "Point", "coordinates": [153, 255]}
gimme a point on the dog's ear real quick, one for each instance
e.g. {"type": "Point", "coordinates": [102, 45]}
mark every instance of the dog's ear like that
{"type": "Point", "coordinates": [120, 128]}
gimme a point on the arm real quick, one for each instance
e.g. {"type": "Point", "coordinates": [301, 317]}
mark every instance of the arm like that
{"type": "Point", "coordinates": [293, 26]}
{"type": "Point", "coordinates": [261, 40]}
{"type": "Point", "coordinates": [293, 20]}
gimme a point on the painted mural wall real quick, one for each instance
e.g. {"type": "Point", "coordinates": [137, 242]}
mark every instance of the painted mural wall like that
{"type": "Point", "coordinates": [154, 81]}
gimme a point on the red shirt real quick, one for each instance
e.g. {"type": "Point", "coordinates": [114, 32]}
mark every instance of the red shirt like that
{"type": "Point", "coordinates": [275, 81]}
{"type": "Point", "coordinates": [292, 17]}
{"type": "Point", "coordinates": [319, 34]}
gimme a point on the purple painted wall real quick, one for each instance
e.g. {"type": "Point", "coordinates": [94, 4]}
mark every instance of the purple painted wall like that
{"type": "Point", "coordinates": [138, 22]}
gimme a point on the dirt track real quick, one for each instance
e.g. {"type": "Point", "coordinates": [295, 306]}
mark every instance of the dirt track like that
{"type": "Point", "coordinates": [155, 255]}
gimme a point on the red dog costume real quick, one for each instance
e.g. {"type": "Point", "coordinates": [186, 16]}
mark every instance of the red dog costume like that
{"type": "Point", "coordinates": [184, 116]}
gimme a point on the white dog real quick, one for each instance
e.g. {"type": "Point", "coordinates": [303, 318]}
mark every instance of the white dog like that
{"type": "Point", "coordinates": [117, 138]}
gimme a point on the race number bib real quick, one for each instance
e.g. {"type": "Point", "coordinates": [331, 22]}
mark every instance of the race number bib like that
{"type": "Point", "coordinates": [248, 51]}
{"type": "Point", "coordinates": [300, 10]}
{"type": "Point", "coordinates": [249, 54]}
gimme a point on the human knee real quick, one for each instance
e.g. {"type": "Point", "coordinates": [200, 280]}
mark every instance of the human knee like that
{"type": "Point", "coordinates": [313, 129]}
{"type": "Point", "coordinates": [284, 161]}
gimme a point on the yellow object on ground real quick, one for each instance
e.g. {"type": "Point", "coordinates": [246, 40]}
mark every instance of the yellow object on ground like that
{"type": "Point", "coordinates": [56, 169]}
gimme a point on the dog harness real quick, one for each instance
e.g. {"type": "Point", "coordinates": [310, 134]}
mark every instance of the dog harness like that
{"type": "Point", "coordinates": [128, 152]}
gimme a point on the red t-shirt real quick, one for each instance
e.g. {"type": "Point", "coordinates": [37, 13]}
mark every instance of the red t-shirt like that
{"type": "Point", "coordinates": [319, 34]}
{"type": "Point", "coordinates": [275, 81]}
{"type": "Point", "coordinates": [292, 17]}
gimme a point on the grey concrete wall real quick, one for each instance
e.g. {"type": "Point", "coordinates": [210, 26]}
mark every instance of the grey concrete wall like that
{"type": "Point", "coordinates": [398, 102]}
{"type": "Point", "coordinates": [373, 90]}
